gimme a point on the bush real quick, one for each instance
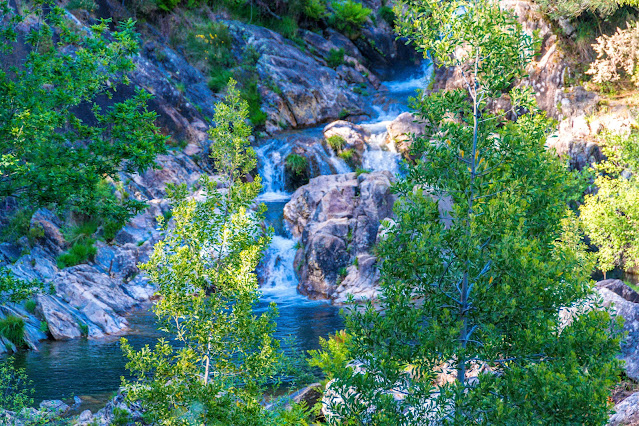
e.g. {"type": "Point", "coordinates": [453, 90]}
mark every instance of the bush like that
{"type": "Point", "coordinates": [616, 53]}
{"type": "Point", "coordinates": [333, 354]}
{"type": "Point", "coordinates": [15, 387]}
{"type": "Point", "coordinates": [349, 17]}
{"type": "Point", "coordinates": [81, 252]}
{"type": "Point", "coordinates": [18, 225]}
{"type": "Point", "coordinates": [287, 26]}
{"type": "Point", "coordinates": [335, 58]}
{"type": "Point", "coordinates": [209, 47]}
{"type": "Point", "coordinates": [575, 8]}
{"type": "Point", "coordinates": [12, 328]}
{"type": "Point", "coordinates": [30, 305]}
{"type": "Point", "coordinates": [167, 5]}
{"type": "Point", "coordinates": [296, 164]}
{"type": "Point", "coordinates": [82, 4]}
{"type": "Point", "coordinates": [251, 94]}
{"type": "Point", "coordinates": [219, 79]}
{"type": "Point", "coordinates": [388, 15]}
{"type": "Point", "coordinates": [348, 155]}
{"type": "Point", "coordinates": [314, 9]}
{"type": "Point", "coordinates": [336, 142]}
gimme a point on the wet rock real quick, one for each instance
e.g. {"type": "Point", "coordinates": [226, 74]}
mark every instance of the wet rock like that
{"type": "Point", "coordinates": [621, 289]}
{"type": "Point", "coordinates": [349, 140]}
{"type": "Point", "coordinates": [337, 220]}
{"type": "Point", "coordinates": [401, 129]}
{"type": "Point", "coordinates": [55, 407]}
{"type": "Point", "coordinates": [47, 228]}
{"type": "Point", "coordinates": [580, 153]}
{"type": "Point", "coordinates": [322, 46]}
{"type": "Point", "coordinates": [85, 418]}
{"type": "Point", "coordinates": [107, 415]}
{"type": "Point", "coordinates": [630, 313]}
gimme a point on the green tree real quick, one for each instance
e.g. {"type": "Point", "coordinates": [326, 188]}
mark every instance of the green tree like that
{"type": "Point", "coordinates": [575, 8]}
{"type": "Point", "coordinates": [470, 326]}
{"type": "Point", "coordinates": [611, 215]}
{"type": "Point", "coordinates": [48, 153]}
{"type": "Point", "coordinates": [205, 272]}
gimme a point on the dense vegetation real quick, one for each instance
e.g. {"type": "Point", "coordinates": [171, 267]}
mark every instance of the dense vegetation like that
{"type": "Point", "coordinates": [62, 145]}
{"type": "Point", "coordinates": [484, 257]}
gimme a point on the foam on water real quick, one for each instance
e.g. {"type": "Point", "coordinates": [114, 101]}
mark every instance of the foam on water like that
{"type": "Point", "coordinates": [280, 281]}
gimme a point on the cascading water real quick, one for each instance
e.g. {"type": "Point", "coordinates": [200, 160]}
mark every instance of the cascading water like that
{"type": "Point", "coordinates": [92, 369]}
{"type": "Point", "coordinates": [278, 274]}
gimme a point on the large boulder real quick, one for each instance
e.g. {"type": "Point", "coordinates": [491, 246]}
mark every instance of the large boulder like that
{"type": "Point", "coordinates": [401, 129]}
{"type": "Point", "coordinates": [347, 140]}
{"type": "Point", "coordinates": [626, 413]}
{"type": "Point", "coordinates": [337, 218]}
{"type": "Point", "coordinates": [620, 297]}
{"type": "Point", "coordinates": [301, 90]}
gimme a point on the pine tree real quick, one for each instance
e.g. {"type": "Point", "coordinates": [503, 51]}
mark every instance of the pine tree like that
{"type": "Point", "coordinates": [483, 259]}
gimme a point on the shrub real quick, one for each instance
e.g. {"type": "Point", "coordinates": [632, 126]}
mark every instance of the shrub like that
{"type": "Point", "coordinates": [348, 155]}
{"type": "Point", "coordinates": [111, 228]}
{"type": "Point", "coordinates": [12, 328]}
{"type": "Point", "coordinates": [121, 417]}
{"type": "Point", "coordinates": [616, 53]}
{"type": "Point", "coordinates": [44, 327]}
{"type": "Point", "coordinates": [82, 4]}
{"type": "Point", "coordinates": [15, 387]}
{"type": "Point", "coordinates": [81, 252]}
{"type": "Point", "coordinates": [314, 9]}
{"type": "Point", "coordinates": [332, 356]}
{"type": "Point", "coordinates": [344, 113]}
{"type": "Point", "coordinates": [218, 79]}
{"type": "Point", "coordinates": [575, 8]}
{"type": "Point", "coordinates": [349, 17]}
{"type": "Point", "coordinates": [209, 46]}
{"type": "Point", "coordinates": [167, 5]}
{"type": "Point", "coordinates": [336, 142]}
{"type": "Point", "coordinates": [388, 15]}
{"type": "Point", "coordinates": [84, 329]}
{"type": "Point", "coordinates": [361, 171]}
{"type": "Point", "coordinates": [251, 94]}
{"type": "Point", "coordinates": [296, 164]}
{"type": "Point", "coordinates": [18, 225]}
{"type": "Point", "coordinates": [144, 8]}
{"type": "Point", "coordinates": [287, 26]}
{"type": "Point", "coordinates": [30, 305]}
{"type": "Point", "coordinates": [335, 58]}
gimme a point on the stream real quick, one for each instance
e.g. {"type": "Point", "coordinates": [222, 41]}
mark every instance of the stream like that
{"type": "Point", "coordinates": [92, 369]}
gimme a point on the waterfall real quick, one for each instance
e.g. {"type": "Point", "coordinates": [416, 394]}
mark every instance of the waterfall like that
{"type": "Point", "coordinates": [278, 275]}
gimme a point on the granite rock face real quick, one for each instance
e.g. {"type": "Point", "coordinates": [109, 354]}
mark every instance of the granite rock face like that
{"type": "Point", "coordinates": [626, 412]}
{"type": "Point", "coordinates": [621, 298]}
{"type": "Point", "coordinates": [337, 219]}
{"type": "Point", "coordinates": [401, 129]}
{"type": "Point", "coordinates": [92, 299]}
{"type": "Point", "coordinates": [353, 139]}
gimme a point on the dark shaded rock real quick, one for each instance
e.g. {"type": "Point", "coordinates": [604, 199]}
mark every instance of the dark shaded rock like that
{"type": "Point", "coordinates": [620, 288]}
{"type": "Point", "coordinates": [629, 311]}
